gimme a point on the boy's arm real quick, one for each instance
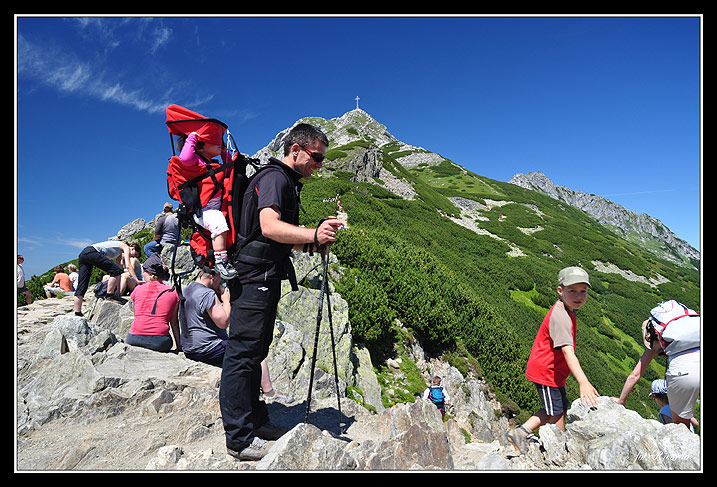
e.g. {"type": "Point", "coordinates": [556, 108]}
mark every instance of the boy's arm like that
{"type": "Point", "coordinates": [588, 393]}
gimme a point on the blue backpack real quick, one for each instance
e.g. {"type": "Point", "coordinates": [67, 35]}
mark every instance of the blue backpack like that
{"type": "Point", "coordinates": [436, 395]}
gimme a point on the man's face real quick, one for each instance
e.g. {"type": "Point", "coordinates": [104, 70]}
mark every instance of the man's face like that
{"type": "Point", "coordinates": [310, 158]}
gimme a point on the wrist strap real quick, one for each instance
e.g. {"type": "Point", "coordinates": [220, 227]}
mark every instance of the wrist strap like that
{"type": "Point", "coordinates": [316, 239]}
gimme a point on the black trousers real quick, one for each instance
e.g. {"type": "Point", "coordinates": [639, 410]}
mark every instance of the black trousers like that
{"type": "Point", "coordinates": [88, 259]}
{"type": "Point", "coordinates": [251, 329]}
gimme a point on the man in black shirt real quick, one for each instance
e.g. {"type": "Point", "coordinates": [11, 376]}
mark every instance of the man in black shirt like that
{"type": "Point", "coordinates": [270, 216]}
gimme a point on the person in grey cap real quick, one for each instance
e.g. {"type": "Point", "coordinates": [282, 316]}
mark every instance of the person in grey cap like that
{"type": "Point", "coordinates": [552, 359]}
{"type": "Point", "coordinates": [166, 230]}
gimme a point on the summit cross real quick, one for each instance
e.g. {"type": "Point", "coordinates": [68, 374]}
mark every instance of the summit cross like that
{"type": "Point", "coordinates": [357, 99]}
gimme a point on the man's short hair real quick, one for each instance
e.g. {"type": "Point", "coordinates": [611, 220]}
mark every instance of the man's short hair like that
{"type": "Point", "coordinates": [304, 134]}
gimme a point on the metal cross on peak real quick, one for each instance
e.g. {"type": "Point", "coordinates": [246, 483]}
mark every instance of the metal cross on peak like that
{"type": "Point", "coordinates": [357, 99]}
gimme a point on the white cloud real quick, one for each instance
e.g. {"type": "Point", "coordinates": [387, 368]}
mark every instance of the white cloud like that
{"type": "Point", "coordinates": [160, 37]}
{"type": "Point", "coordinates": [63, 71]}
{"type": "Point", "coordinates": [79, 243]}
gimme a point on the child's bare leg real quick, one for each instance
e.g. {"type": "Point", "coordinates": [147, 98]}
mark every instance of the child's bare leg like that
{"type": "Point", "coordinates": [219, 242]}
{"type": "Point", "coordinates": [540, 418]}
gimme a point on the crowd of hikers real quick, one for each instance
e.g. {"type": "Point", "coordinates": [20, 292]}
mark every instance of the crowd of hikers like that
{"type": "Point", "coordinates": [245, 245]}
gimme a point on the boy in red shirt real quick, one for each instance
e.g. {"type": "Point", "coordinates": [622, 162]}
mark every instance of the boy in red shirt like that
{"type": "Point", "coordinates": [552, 358]}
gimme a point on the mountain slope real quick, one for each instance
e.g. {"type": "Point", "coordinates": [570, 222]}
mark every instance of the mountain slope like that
{"type": "Point", "coordinates": [469, 265]}
{"type": "Point", "coordinates": [646, 231]}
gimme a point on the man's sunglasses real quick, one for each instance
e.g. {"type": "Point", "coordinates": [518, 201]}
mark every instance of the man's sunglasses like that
{"type": "Point", "coordinates": [314, 155]}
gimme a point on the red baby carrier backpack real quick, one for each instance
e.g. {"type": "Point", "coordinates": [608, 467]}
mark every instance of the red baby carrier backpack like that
{"type": "Point", "coordinates": [194, 186]}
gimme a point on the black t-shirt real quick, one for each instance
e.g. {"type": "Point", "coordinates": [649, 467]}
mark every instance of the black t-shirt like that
{"type": "Point", "coordinates": [278, 186]}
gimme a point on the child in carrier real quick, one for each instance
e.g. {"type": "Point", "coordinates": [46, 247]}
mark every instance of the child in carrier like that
{"type": "Point", "coordinates": [195, 151]}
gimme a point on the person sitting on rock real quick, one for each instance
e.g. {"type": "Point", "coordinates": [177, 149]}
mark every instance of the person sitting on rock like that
{"type": "Point", "coordinates": [155, 310]}
{"type": "Point", "coordinates": [203, 320]}
{"type": "Point", "coordinates": [60, 284]}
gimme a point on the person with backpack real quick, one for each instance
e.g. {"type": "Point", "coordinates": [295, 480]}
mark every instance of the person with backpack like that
{"type": "Point", "coordinates": [437, 394]}
{"type": "Point", "coordinates": [673, 330]}
{"type": "Point", "coordinates": [270, 223]}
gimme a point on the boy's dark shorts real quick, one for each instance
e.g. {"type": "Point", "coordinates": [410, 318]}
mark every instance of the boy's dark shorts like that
{"type": "Point", "coordinates": [553, 399]}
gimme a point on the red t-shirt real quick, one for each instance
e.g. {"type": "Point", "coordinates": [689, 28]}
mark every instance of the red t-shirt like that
{"type": "Point", "coordinates": [144, 296]}
{"type": "Point", "coordinates": [547, 365]}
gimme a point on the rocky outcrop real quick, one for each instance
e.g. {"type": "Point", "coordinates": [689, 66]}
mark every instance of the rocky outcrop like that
{"type": "Point", "coordinates": [86, 400]}
{"type": "Point", "coordinates": [610, 437]}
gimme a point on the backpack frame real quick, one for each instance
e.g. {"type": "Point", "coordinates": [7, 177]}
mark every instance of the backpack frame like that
{"type": "Point", "coordinates": [677, 327]}
{"type": "Point", "coordinates": [183, 185]}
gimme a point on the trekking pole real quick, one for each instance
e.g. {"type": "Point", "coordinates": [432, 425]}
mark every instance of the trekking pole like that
{"type": "Point", "coordinates": [316, 343]}
{"type": "Point", "coordinates": [324, 291]}
{"type": "Point", "coordinates": [325, 258]}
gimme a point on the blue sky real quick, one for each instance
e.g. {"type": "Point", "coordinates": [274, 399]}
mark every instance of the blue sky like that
{"type": "Point", "coordinates": [605, 105]}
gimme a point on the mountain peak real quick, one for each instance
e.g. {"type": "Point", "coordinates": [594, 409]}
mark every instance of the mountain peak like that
{"type": "Point", "coordinates": [352, 126]}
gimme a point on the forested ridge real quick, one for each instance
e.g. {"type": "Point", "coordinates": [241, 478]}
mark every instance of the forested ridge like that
{"type": "Point", "coordinates": [457, 290]}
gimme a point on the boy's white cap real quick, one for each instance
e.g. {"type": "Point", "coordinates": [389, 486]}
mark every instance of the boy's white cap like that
{"type": "Point", "coordinates": [572, 275]}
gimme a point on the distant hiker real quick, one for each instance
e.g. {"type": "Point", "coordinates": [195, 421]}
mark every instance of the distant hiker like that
{"type": "Point", "coordinates": [20, 275]}
{"type": "Point", "coordinates": [103, 255]}
{"type": "Point", "coordinates": [133, 275]}
{"type": "Point", "coordinates": [59, 285]}
{"type": "Point", "coordinates": [270, 209]}
{"type": "Point", "coordinates": [552, 359]}
{"type": "Point", "coordinates": [155, 310]}
{"type": "Point", "coordinates": [195, 152]}
{"type": "Point", "coordinates": [203, 319]}
{"type": "Point", "coordinates": [437, 395]}
{"type": "Point", "coordinates": [680, 341]}
{"type": "Point", "coordinates": [166, 230]}
{"type": "Point", "coordinates": [659, 393]}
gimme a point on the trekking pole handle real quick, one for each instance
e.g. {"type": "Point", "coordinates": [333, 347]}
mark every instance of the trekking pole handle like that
{"type": "Point", "coordinates": [319, 247]}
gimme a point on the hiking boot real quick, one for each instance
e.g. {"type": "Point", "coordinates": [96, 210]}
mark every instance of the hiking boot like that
{"type": "Point", "coordinates": [255, 451]}
{"type": "Point", "coordinates": [519, 439]}
{"type": "Point", "coordinates": [268, 431]}
{"type": "Point", "coordinates": [226, 270]}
